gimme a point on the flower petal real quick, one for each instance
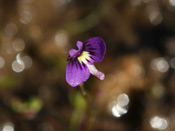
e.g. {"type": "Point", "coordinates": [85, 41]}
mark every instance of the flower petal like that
{"type": "Point", "coordinates": [76, 72]}
{"type": "Point", "coordinates": [74, 53]}
{"type": "Point", "coordinates": [93, 70]}
{"type": "Point", "coordinates": [79, 45]}
{"type": "Point", "coordinates": [96, 47]}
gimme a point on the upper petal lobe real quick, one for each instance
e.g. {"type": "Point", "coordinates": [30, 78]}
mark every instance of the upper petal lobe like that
{"type": "Point", "coordinates": [96, 47]}
{"type": "Point", "coordinates": [74, 53]}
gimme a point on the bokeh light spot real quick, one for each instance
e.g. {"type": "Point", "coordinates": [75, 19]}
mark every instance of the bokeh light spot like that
{"type": "Point", "coordinates": [123, 100]}
{"type": "Point", "coordinates": [10, 29]}
{"type": "Point", "coordinates": [160, 64]}
{"type": "Point", "coordinates": [118, 110]}
{"type": "Point", "coordinates": [27, 61]}
{"type": "Point", "coordinates": [159, 123]}
{"type": "Point", "coordinates": [61, 38]}
{"type": "Point", "coordinates": [2, 62]}
{"type": "Point", "coordinates": [172, 63]}
{"type": "Point", "coordinates": [25, 17]}
{"type": "Point", "coordinates": [155, 17]}
{"type": "Point", "coordinates": [17, 67]}
{"type": "Point", "coordinates": [119, 107]}
{"type": "Point", "coordinates": [8, 126]}
{"type": "Point", "coordinates": [18, 44]}
{"type": "Point", "coordinates": [172, 2]}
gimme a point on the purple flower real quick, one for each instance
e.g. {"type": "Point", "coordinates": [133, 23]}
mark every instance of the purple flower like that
{"type": "Point", "coordinates": [81, 61]}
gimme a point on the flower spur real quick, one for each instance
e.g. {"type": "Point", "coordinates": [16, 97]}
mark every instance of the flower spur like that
{"type": "Point", "coordinates": [81, 61]}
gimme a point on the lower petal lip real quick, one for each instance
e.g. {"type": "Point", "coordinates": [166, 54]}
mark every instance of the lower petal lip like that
{"type": "Point", "coordinates": [76, 73]}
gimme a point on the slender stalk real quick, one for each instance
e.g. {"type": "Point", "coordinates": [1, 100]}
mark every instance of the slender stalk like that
{"type": "Point", "coordinates": [84, 93]}
{"type": "Point", "coordinates": [89, 108]}
{"type": "Point", "coordinates": [83, 90]}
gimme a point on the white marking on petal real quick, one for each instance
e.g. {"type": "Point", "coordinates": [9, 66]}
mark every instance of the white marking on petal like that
{"type": "Point", "coordinates": [93, 70]}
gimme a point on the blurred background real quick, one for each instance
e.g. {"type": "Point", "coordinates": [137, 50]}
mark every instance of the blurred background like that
{"type": "Point", "coordinates": [138, 93]}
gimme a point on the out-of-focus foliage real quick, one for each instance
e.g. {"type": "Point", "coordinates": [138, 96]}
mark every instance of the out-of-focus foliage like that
{"type": "Point", "coordinates": [138, 92]}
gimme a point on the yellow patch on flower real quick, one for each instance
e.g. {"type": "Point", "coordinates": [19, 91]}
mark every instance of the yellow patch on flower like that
{"type": "Point", "coordinates": [84, 57]}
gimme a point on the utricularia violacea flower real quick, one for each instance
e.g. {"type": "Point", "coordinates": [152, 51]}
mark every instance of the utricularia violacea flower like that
{"type": "Point", "coordinates": [81, 61]}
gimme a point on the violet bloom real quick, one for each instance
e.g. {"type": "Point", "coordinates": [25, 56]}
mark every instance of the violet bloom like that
{"type": "Point", "coordinates": [81, 61]}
